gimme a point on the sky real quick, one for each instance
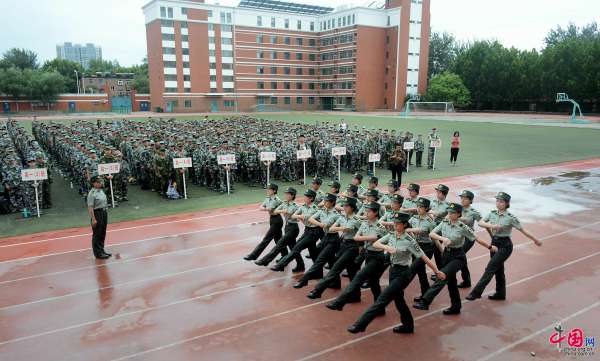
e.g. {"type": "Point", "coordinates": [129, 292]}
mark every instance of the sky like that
{"type": "Point", "coordinates": [118, 25]}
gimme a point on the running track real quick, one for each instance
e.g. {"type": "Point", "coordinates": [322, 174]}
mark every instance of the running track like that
{"type": "Point", "coordinates": [179, 290]}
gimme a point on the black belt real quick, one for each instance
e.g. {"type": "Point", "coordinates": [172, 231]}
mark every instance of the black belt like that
{"type": "Point", "coordinates": [375, 253]}
{"type": "Point", "coordinates": [100, 209]}
{"type": "Point", "coordinates": [503, 238]}
{"type": "Point", "coordinates": [349, 240]}
{"type": "Point", "coordinates": [399, 266]}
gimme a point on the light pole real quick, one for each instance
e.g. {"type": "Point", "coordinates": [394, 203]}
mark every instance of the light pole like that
{"type": "Point", "coordinates": [77, 78]}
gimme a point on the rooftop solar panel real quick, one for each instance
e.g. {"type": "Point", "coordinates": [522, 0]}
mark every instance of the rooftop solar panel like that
{"type": "Point", "coordinates": [285, 6]}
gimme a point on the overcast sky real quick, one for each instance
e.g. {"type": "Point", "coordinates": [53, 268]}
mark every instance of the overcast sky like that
{"type": "Point", "coordinates": [118, 25]}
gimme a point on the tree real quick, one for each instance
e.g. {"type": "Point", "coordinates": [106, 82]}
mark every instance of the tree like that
{"type": "Point", "coordinates": [67, 69]}
{"type": "Point", "coordinates": [141, 84]}
{"type": "Point", "coordinates": [103, 66]}
{"type": "Point", "coordinates": [13, 83]}
{"type": "Point", "coordinates": [19, 58]}
{"type": "Point", "coordinates": [448, 87]}
{"type": "Point", "coordinates": [442, 52]}
{"type": "Point", "coordinates": [46, 86]}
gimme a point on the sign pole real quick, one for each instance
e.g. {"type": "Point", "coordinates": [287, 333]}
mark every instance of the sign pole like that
{"type": "Point", "coordinates": [268, 172]}
{"type": "Point", "coordinates": [37, 201]}
{"type": "Point", "coordinates": [407, 160]}
{"type": "Point", "coordinates": [184, 187]}
{"type": "Point", "coordinates": [304, 169]}
{"type": "Point", "coordinates": [112, 194]}
{"type": "Point", "coordinates": [339, 157]}
{"type": "Point", "coordinates": [434, 153]}
{"type": "Point", "coordinates": [374, 168]}
{"type": "Point", "coordinates": [227, 171]}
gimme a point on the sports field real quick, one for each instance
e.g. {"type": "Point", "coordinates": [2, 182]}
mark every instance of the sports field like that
{"type": "Point", "coordinates": [486, 146]}
{"type": "Point", "coordinates": [178, 289]}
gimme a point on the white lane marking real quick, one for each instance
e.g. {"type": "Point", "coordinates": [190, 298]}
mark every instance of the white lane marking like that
{"type": "Point", "coordinates": [129, 228]}
{"type": "Point", "coordinates": [523, 280]}
{"type": "Point", "coordinates": [545, 329]}
{"type": "Point", "coordinates": [111, 246]}
{"type": "Point", "coordinates": [122, 261]}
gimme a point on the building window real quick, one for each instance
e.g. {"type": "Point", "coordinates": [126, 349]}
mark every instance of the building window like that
{"type": "Point", "coordinates": [168, 37]}
{"type": "Point", "coordinates": [298, 71]}
{"type": "Point", "coordinates": [387, 39]}
{"type": "Point", "coordinates": [311, 71]}
{"type": "Point", "coordinates": [227, 66]}
{"type": "Point", "coordinates": [213, 78]}
{"type": "Point", "coordinates": [163, 12]}
{"type": "Point", "coordinates": [210, 14]}
{"type": "Point", "coordinates": [186, 78]}
{"type": "Point", "coordinates": [167, 23]}
{"type": "Point", "coordinates": [228, 18]}
{"type": "Point", "coordinates": [185, 51]}
{"type": "Point", "coordinates": [228, 103]}
{"type": "Point", "coordinates": [286, 23]}
{"type": "Point", "coordinates": [272, 22]}
{"type": "Point", "coordinates": [286, 85]}
{"type": "Point", "coordinates": [312, 26]}
{"type": "Point", "coordinates": [273, 70]}
{"type": "Point", "coordinates": [222, 18]}
{"type": "Point", "coordinates": [273, 39]}
{"type": "Point", "coordinates": [226, 28]}
{"type": "Point", "coordinates": [353, 18]}
{"type": "Point", "coordinates": [385, 86]}
{"type": "Point", "coordinates": [184, 37]}
{"type": "Point", "coordinates": [213, 90]}
{"type": "Point", "coordinates": [260, 54]}
{"type": "Point", "coordinates": [170, 77]}
{"type": "Point", "coordinates": [212, 65]}
{"type": "Point", "coordinates": [287, 40]}
{"type": "Point", "coordinates": [170, 90]}
{"type": "Point", "coordinates": [298, 56]}
{"type": "Point", "coordinates": [273, 85]}
{"type": "Point", "coordinates": [228, 78]}
{"type": "Point", "coordinates": [312, 57]}
{"type": "Point", "coordinates": [226, 41]}
{"type": "Point", "coordinates": [311, 86]}
{"type": "Point", "coordinates": [387, 54]}
{"type": "Point", "coordinates": [299, 41]}
{"type": "Point", "coordinates": [211, 27]}
{"type": "Point", "coordinates": [187, 103]}
{"type": "Point", "coordinates": [211, 39]}
{"type": "Point", "coordinates": [286, 55]}
{"type": "Point", "coordinates": [299, 25]}
{"type": "Point", "coordinates": [168, 50]}
{"type": "Point", "coordinates": [259, 38]}
{"type": "Point", "coordinates": [287, 100]}
{"type": "Point", "coordinates": [298, 100]}
{"type": "Point", "coordinates": [273, 100]}
{"type": "Point", "coordinates": [299, 86]}
{"type": "Point", "coordinates": [259, 21]}
{"type": "Point", "coordinates": [312, 42]}
{"type": "Point", "coordinates": [260, 70]}
{"type": "Point", "coordinates": [344, 21]}
{"type": "Point", "coordinates": [170, 13]}
{"type": "Point", "coordinates": [339, 22]}
{"type": "Point", "coordinates": [388, 20]}
{"type": "Point", "coordinates": [227, 53]}
{"type": "Point", "coordinates": [183, 11]}
{"type": "Point", "coordinates": [186, 64]}
{"type": "Point", "coordinates": [167, 64]}
{"type": "Point", "coordinates": [286, 70]}
{"type": "Point", "coordinates": [311, 100]}
{"type": "Point", "coordinates": [260, 85]}
{"type": "Point", "coordinates": [273, 55]}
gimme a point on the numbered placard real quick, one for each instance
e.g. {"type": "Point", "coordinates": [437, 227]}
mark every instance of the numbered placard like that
{"type": "Point", "coordinates": [182, 163]}
{"type": "Point", "coordinates": [225, 159]}
{"type": "Point", "coordinates": [409, 145]}
{"type": "Point", "coordinates": [268, 156]}
{"type": "Point", "coordinates": [436, 143]}
{"type": "Point", "coordinates": [338, 151]}
{"type": "Point", "coordinates": [374, 157]}
{"type": "Point", "coordinates": [303, 154]}
{"type": "Point", "coordinates": [34, 174]}
{"type": "Point", "coordinates": [109, 168]}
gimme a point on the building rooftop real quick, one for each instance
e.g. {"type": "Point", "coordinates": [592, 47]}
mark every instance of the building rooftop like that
{"type": "Point", "coordinates": [285, 6]}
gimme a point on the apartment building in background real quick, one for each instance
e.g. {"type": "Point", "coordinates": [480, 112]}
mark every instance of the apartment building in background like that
{"type": "Point", "coordinates": [78, 53]}
{"type": "Point", "coordinates": [266, 55]}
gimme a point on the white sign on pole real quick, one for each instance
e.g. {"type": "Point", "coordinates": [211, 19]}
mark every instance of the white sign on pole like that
{"type": "Point", "coordinates": [224, 159]}
{"type": "Point", "coordinates": [436, 143]}
{"type": "Point", "coordinates": [182, 162]}
{"type": "Point", "coordinates": [109, 168]}
{"type": "Point", "coordinates": [303, 154]}
{"type": "Point", "coordinates": [338, 151]}
{"type": "Point", "coordinates": [268, 156]}
{"type": "Point", "coordinates": [34, 174]}
{"type": "Point", "coordinates": [409, 145]}
{"type": "Point", "coordinates": [374, 157]}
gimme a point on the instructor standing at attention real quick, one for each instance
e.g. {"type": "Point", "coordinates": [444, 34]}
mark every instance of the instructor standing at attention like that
{"type": "Point", "coordinates": [97, 205]}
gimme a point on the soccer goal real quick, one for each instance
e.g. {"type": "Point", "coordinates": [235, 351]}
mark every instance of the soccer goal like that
{"type": "Point", "coordinates": [428, 108]}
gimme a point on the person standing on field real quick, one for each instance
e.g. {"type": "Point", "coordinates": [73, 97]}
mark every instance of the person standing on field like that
{"type": "Point", "coordinates": [454, 148]}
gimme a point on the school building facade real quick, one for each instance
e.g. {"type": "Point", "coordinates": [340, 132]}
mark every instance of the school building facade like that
{"type": "Point", "coordinates": [266, 55]}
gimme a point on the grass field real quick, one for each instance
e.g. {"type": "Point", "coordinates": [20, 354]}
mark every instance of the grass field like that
{"type": "Point", "coordinates": [485, 147]}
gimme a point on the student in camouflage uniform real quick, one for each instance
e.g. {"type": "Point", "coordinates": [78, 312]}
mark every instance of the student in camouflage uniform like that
{"type": "Point", "coordinates": [431, 154]}
{"type": "Point", "coordinates": [270, 205]}
{"type": "Point", "coordinates": [419, 148]}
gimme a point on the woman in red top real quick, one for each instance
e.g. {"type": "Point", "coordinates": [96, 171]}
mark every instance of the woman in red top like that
{"type": "Point", "coordinates": [454, 148]}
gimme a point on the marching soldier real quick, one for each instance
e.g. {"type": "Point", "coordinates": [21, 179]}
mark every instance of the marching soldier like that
{"type": "Point", "coordinates": [469, 216]}
{"type": "Point", "coordinates": [269, 205]}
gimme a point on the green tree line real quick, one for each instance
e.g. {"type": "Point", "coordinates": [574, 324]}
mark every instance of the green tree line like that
{"type": "Point", "coordinates": [485, 75]}
{"type": "Point", "coordinates": [22, 77]}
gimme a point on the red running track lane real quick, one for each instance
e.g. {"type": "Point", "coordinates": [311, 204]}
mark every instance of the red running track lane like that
{"type": "Point", "coordinates": [135, 300]}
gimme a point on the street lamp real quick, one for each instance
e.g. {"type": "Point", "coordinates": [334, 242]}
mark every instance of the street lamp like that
{"type": "Point", "coordinates": [77, 77]}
